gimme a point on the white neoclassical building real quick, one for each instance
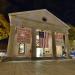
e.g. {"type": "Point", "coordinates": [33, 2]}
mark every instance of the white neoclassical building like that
{"type": "Point", "coordinates": [37, 34]}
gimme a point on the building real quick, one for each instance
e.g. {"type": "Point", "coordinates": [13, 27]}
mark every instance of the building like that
{"type": "Point", "coordinates": [37, 34]}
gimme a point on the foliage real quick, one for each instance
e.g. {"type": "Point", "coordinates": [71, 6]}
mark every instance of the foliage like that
{"type": "Point", "coordinates": [72, 33]}
{"type": "Point", "coordinates": [4, 28]}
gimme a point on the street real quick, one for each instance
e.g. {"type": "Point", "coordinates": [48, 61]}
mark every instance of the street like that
{"type": "Point", "coordinates": [64, 67]}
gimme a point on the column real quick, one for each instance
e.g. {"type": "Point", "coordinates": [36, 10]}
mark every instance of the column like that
{"type": "Point", "coordinates": [53, 45]}
{"type": "Point", "coordinates": [67, 44]}
{"type": "Point", "coordinates": [33, 43]}
{"type": "Point", "coordinates": [11, 42]}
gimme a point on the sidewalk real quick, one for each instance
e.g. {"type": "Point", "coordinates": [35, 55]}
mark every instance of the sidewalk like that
{"type": "Point", "coordinates": [44, 67]}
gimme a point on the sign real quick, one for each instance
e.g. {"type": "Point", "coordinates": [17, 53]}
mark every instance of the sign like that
{"type": "Point", "coordinates": [23, 34]}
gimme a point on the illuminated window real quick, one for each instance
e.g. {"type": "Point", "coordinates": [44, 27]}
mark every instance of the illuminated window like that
{"type": "Point", "coordinates": [21, 48]}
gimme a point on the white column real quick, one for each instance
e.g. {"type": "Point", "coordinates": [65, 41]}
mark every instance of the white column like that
{"type": "Point", "coordinates": [67, 44]}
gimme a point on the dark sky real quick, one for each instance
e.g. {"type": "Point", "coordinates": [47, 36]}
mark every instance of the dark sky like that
{"type": "Point", "coordinates": [63, 9]}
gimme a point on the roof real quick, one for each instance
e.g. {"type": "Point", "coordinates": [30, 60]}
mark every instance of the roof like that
{"type": "Point", "coordinates": [38, 15]}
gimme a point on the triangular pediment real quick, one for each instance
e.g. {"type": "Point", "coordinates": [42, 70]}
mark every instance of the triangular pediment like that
{"type": "Point", "coordinates": [41, 15]}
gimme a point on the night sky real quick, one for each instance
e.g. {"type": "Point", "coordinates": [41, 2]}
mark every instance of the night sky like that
{"type": "Point", "coordinates": [63, 9]}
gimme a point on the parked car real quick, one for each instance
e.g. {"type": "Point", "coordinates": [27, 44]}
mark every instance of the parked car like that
{"type": "Point", "coordinates": [72, 54]}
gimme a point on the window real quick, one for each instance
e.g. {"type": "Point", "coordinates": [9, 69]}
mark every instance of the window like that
{"type": "Point", "coordinates": [21, 48]}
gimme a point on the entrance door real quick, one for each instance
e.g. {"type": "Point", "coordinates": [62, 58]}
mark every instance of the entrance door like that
{"type": "Point", "coordinates": [59, 51]}
{"type": "Point", "coordinates": [21, 48]}
{"type": "Point", "coordinates": [43, 43]}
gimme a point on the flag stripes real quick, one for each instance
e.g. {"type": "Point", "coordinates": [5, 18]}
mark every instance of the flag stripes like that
{"type": "Point", "coordinates": [43, 39]}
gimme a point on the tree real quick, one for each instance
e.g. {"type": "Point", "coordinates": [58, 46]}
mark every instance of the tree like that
{"type": "Point", "coordinates": [4, 28]}
{"type": "Point", "coordinates": [72, 33]}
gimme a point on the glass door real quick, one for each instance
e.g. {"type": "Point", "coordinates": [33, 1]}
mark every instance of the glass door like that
{"type": "Point", "coordinates": [21, 48]}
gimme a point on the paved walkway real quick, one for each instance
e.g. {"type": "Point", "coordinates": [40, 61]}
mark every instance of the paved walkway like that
{"type": "Point", "coordinates": [38, 68]}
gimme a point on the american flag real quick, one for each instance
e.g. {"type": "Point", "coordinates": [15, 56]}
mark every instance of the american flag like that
{"type": "Point", "coordinates": [43, 39]}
